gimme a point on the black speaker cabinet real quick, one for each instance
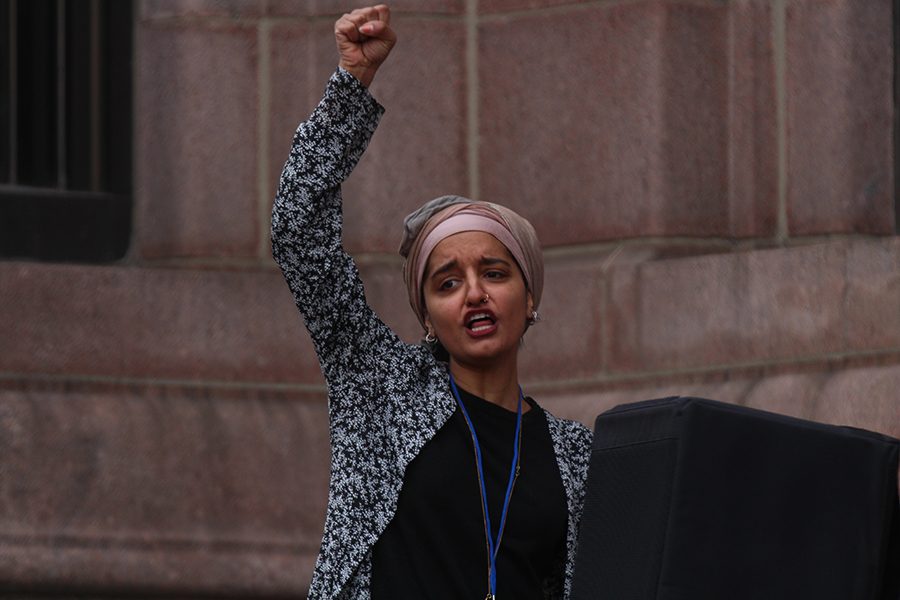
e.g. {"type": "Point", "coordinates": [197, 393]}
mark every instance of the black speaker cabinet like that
{"type": "Point", "coordinates": [692, 499]}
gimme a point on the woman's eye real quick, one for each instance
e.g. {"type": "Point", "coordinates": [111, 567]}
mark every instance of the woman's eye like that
{"type": "Point", "coordinates": [447, 284]}
{"type": "Point", "coordinates": [494, 274]}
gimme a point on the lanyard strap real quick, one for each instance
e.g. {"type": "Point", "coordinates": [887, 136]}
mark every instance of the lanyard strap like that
{"type": "Point", "coordinates": [493, 546]}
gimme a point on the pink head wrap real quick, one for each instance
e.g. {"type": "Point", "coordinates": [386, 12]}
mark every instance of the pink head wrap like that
{"type": "Point", "coordinates": [448, 215]}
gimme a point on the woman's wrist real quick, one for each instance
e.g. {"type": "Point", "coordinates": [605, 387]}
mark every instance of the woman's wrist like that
{"type": "Point", "coordinates": [362, 74]}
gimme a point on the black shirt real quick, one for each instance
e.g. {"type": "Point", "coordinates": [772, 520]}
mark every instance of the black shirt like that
{"type": "Point", "coordinates": [435, 545]}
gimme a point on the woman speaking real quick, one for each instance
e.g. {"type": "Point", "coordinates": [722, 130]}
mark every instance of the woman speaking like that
{"type": "Point", "coordinates": [447, 481]}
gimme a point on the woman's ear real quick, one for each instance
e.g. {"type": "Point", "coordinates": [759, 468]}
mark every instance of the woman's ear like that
{"type": "Point", "coordinates": [529, 302]}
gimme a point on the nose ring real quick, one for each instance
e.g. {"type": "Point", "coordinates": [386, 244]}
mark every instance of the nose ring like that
{"type": "Point", "coordinates": [485, 299]}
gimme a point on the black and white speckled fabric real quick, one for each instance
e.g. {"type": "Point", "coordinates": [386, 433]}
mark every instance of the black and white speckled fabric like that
{"type": "Point", "coordinates": [387, 399]}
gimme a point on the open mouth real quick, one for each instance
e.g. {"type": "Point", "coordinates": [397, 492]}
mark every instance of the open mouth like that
{"type": "Point", "coordinates": [480, 322]}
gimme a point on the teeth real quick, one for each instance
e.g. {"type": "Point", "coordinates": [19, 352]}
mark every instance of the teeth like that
{"type": "Point", "coordinates": [475, 317]}
{"type": "Point", "coordinates": [480, 322]}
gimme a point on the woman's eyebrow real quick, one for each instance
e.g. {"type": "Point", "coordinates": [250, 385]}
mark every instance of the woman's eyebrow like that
{"type": "Point", "coordinates": [452, 264]}
{"type": "Point", "coordinates": [447, 266]}
{"type": "Point", "coordinates": [492, 260]}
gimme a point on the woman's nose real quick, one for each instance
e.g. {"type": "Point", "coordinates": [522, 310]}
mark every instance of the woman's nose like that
{"type": "Point", "coordinates": [475, 292]}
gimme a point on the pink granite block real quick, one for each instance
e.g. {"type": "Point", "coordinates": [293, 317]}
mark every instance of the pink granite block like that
{"type": "Point", "coordinates": [792, 303]}
{"type": "Point", "coordinates": [500, 6]}
{"type": "Point", "coordinates": [792, 394]}
{"type": "Point", "coordinates": [165, 489]}
{"type": "Point", "coordinates": [152, 323]}
{"type": "Point", "coordinates": [840, 113]}
{"type": "Point", "coordinates": [752, 128]}
{"type": "Point", "coordinates": [872, 304]}
{"type": "Point", "coordinates": [196, 141]}
{"type": "Point", "coordinates": [292, 92]}
{"type": "Point", "coordinates": [550, 145]}
{"type": "Point", "coordinates": [287, 8]}
{"type": "Point", "coordinates": [865, 397]}
{"type": "Point", "coordinates": [674, 313]}
{"type": "Point", "coordinates": [568, 341]}
{"type": "Point", "coordinates": [636, 140]}
{"type": "Point", "coordinates": [725, 309]}
{"type": "Point", "coordinates": [156, 9]}
{"type": "Point", "coordinates": [693, 137]}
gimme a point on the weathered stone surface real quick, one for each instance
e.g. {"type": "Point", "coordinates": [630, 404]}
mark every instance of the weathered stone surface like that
{"type": "Point", "coordinates": [865, 398]}
{"type": "Point", "coordinates": [873, 294]}
{"type": "Point", "coordinates": [568, 341]}
{"type": "Point", "coordinates": [858, 396]}
{"type": "Point", "coordinates": [153, 489]}
{"type": "Point", "coordinates": [730, 308]}
{"type": "Point", "coordinates": [792, 394]}
{"type": "Point", "coordinates": [643, 142]}
{"type": "Point", "coordinates": [752, 128]}
{"type": "Point", "coordinates": [840, 115]}
{"type": "Point", "coordinates": [196, 141]}
{"type": "Point", "coordinates": [154, 9]}
{"type": "Point", "coordinates": [286, 8]}
{"type": "Point", "coordinates": [499, 6]}
{"type": "Point", "coordinates": [152, 323]}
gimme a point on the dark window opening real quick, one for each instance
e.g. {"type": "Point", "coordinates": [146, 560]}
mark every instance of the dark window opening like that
{"type": "Point", "coordinates": [65, 120]}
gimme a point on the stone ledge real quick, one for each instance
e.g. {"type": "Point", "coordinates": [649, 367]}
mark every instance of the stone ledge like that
{"type": "Point", "coordinates": [767, 305]}
{"type": "Point", "coordinates": [151, 323]}
{"type": "Point", "coordinates": [856, 395]}
{"type": "Point", "coordinates": [293, 8]}
{"type": "Point", "coordinates": [151, 571]}
{"type": "Point", "coordinates": [605, 315]}
{"type": "Point", "coordinates": [151, 489]}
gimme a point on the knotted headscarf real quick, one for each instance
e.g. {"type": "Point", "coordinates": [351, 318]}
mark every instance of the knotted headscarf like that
{"type": "Point", "coordinates": [445, 216]}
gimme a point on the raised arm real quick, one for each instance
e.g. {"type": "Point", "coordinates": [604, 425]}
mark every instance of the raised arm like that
{"type": "Point", "coordinates": [307, 216]}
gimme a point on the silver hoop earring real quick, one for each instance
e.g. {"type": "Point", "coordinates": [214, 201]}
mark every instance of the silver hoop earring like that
{"type": "Point", "coordinates": [534, 318]}
{"type": "Point", "coordinates": [430, 338]}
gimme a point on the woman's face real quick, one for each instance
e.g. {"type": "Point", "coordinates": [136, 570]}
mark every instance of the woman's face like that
{"type": "Point", "coordinates": [462, 271]}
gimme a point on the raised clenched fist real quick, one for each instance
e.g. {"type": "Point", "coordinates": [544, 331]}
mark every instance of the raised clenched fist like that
{"type": "Point", "coordinates": [364, 39]}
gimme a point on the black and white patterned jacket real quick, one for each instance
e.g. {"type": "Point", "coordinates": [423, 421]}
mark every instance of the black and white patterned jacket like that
{"type": "Point", "coordinates": [387, 399]}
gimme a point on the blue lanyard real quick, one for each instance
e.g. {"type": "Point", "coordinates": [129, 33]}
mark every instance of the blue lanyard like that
{"type": "Point", "coordinates": [493, 546]}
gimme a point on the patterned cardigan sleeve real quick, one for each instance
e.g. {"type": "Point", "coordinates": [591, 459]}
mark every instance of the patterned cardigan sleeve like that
{"type": "Point", "coordinates": [306, 233]}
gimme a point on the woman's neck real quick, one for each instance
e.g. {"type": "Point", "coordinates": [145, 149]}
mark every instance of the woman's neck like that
{"type": "Point", "coordinates": [497, 384]}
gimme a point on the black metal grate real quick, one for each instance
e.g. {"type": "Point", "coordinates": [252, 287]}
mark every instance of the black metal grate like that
{"type": "Point", "coordinates": [65, 119]}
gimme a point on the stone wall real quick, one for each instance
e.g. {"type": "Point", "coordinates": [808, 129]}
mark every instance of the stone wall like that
{"type": "Point", "coordinates": [713, 181]}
